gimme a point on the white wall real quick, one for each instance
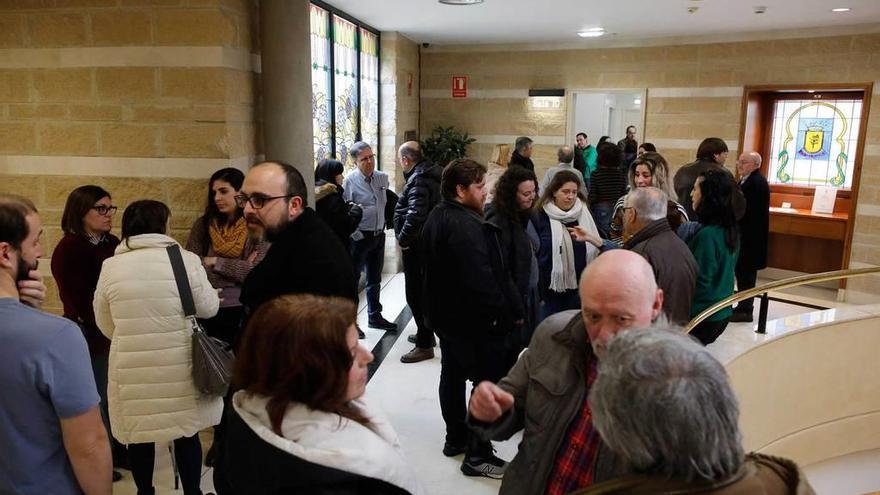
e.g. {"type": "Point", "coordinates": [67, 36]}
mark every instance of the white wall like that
{"type": "Point", "coordinates": [591, 114]}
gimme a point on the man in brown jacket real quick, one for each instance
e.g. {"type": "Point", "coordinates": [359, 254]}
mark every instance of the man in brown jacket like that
{"type": "Point", "coordinates": [664, 407]}
{"type": "Point", "coordinates": [545, 393]}
{"type": "Point", "coordinates": [646, 231]}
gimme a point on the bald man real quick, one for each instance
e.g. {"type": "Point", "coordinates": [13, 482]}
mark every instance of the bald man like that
{"type": "Point", "coordinates": [420, 194]}
{"type": "Point", "coordinates": [754, 228]}
{"type": "Point", "coordinates": [545, 394]}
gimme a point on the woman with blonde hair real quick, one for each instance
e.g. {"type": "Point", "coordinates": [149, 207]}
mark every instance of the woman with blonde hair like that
{"type": "Point", "coordinates": [648, 170]}
{"type": "Point", "coordinates": [300, 422]}
{"type": "Point", "coordinates": [498, 162]}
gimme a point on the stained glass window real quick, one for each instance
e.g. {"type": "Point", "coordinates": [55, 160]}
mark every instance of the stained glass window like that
{"type": "Point", "coordinates": [369, 87]}
{"type": "Point", "coordinates": [321, 108]}
{"type": "Point", "coordinates": [814, 142]}
{"type": "Point", "coordinates": [345, 61]}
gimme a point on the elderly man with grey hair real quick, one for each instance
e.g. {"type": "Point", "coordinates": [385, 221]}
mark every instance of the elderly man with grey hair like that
{"type": "Point", "coordinates": [368, 187]}
{"type": "Point", "coordinates": [545, 393]}
{"type": "Point", "coordinates": [646, 231]}
{"type": "Point", "coordinates": [754, 231]}
{"type": "Point", "coordinates": [663, 405]}
{"type": "Point", "coordinates": [565, 155]}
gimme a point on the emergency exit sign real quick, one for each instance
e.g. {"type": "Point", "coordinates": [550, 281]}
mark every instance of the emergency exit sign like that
{"type": "Point", "coordinates": [459, 86]}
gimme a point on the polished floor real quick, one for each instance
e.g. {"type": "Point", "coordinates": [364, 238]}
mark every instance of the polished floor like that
{"type": "Point", "coordinates": [408, 394]}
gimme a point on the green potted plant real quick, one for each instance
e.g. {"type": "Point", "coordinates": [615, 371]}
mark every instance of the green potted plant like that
{"type": "Point", "coordinates": [446, 144]}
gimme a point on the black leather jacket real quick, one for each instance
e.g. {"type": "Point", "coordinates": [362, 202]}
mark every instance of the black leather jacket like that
{"type": "Point", "coordinates": [420, 195]}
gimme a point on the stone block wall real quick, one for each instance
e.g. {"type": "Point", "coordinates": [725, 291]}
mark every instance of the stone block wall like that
{"type": "Point", "coordinates": [145, 98]}
{"type": "Point", "coordinates": [400, 99]}
{"type": "Point", "coordinates": [693, 91]}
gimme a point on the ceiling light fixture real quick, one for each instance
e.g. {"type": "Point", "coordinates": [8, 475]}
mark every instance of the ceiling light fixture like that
{"type": "Point", "coordinates": [592, 32]}
{"type": "Point", "coordinates": [841, 9]}
{"type": "Point", "coordinates": [460, 2]}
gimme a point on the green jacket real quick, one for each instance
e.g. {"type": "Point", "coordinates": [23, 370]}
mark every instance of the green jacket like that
{"type": "Point", "coordinates": [589, 154]}
{"type": "Point", "coordinates": [716, 270]}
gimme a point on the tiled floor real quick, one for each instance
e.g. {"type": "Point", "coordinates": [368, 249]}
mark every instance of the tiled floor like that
{"type": "Point", "coordinates": [408, 393]}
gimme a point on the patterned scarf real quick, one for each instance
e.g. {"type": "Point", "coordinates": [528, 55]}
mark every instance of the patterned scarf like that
{"type": "Point", "coordinates": [228, 241]}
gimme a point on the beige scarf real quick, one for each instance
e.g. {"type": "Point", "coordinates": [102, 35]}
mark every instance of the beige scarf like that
{"type": "Point", "coordinates": [228, 241]}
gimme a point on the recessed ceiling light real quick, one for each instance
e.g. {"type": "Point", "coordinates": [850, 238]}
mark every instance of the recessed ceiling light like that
{"type": "Point", "coordinates": [841, 9]}
{"type": "Point", "coordinates": [592, 32]}
{"type": "Point", "coordinates": [460, 2]}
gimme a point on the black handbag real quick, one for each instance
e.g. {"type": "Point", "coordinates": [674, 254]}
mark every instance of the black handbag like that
{"type": "Point", "coordinates": [212, 359]}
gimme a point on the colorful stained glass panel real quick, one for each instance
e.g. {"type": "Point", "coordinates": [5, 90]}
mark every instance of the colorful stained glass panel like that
{"type": "Point", "coordinates": [345, 75]}
{"type": "Point", "coordinates": [321, 122]}
{"type": "Point", "coordinates": [369, 88]}
{"type": "Point", "coordinates": [814, 142]}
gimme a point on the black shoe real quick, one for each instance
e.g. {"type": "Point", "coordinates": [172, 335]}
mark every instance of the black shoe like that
{"type": "Point", "coordinates": [116, 476]}
{"type": "Point", "coordinates": [741, 317]}
{"type": "Point", "coordinates": [412, 339]}
{"type": "Point", "coordinates": [361, 334]}
{"type": "Point", "coordinates": [382, 324]}
{"type": "Point", "coordinates": [489, 466]}
{"type": "Point", "coordinates": [452, 450]}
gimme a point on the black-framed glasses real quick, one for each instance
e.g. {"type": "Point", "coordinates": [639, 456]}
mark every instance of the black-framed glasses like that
{"type": "Point", "coordinates": [256, 201]}
{"type": "Point", "coordinates": [105, 210]}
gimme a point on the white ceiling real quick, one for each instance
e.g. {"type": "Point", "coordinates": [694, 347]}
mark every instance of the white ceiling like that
{"type": "Point", "coordinates": [547, 21]}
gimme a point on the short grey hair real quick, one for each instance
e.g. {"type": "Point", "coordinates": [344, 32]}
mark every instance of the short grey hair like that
{"type": "Point", "coordinates": [565, 154]}
{"type": "Point", "coordinates": [522, 143]}
{"type": "Point", "coordinates": [411, 153]}
{"type": "Point", "coordinates": [650, 203]}
{"type": "Point", "coordinates": [356, 149]}
{"type": "Point", "coordinates": [664, 405]}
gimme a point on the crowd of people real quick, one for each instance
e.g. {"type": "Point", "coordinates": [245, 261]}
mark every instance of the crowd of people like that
{"type": "Point", "coordinates": [559, 300]}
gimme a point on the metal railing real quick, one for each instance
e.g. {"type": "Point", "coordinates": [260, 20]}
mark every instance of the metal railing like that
{"type": "Point", "coordinates": [788, 283]}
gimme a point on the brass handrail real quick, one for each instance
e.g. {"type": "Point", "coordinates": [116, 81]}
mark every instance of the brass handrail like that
{"type": "Point", "coordinates": [779, 284]}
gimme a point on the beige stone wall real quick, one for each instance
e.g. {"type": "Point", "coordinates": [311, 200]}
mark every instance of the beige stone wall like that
{"type": "Point", "coordinates": [693, 91]}
{"type": "Point", "coordinates": [145, 98]}
{"type": "Point", "coordinates": [400, 99]}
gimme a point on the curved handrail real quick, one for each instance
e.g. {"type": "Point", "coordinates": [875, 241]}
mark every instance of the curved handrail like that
{"type": "Point", "coordinates": [779, 284]}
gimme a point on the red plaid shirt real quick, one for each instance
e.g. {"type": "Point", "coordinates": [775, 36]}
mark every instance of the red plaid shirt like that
{"type": "Point", "coordinates": [576, 457]}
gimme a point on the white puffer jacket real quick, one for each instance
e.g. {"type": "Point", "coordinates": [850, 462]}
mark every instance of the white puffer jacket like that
{"type": "Point", "coordinates": [150, 390]}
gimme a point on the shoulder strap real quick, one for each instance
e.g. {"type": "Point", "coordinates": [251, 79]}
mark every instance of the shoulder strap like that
{"type": "Point", "coordinates": [186, 297]}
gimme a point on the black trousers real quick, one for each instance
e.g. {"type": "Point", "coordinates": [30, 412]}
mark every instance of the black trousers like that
{"type": "Point", "coordinates": [707, 331]}
{"type": "Point", "coordinates": [469, 358]}
{"type": "Point", "coordinates": [187, 453]}
{"type": "Point", "coordinates": [369, 253]}
{"type": "Point", "coordinates": [412, 271]}
{"type": "Point", "coordinates": [745, 279]}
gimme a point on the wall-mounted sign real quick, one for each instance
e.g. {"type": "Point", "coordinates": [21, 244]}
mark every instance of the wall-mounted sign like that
{"type": "Point", "coordinates": [459, 86]}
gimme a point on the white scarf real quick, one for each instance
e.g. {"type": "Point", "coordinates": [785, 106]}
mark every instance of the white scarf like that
{"type": "Point", "coordinates": [563, 276]}
{"type": "Point", "coordinates": [327, 440]}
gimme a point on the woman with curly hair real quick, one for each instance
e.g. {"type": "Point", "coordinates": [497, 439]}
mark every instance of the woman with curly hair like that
{"type": "Point", "coordinates": [515, 194]}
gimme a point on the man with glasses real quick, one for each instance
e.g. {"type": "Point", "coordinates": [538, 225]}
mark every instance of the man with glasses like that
{"type": "Point", "coordinates": [368, 187]}
{"type": "Point", "coordinates": [305, 256]}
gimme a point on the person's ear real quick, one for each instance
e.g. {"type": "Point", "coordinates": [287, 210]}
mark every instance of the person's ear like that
{"type": "Point", "coordinates": [460, 191]}
{"type": "Point", "coordinates": [657, 307]}
{"type": "Point", "coordinates": [7, 258]}
{"type": "Point", "coordinates": [294, 205]}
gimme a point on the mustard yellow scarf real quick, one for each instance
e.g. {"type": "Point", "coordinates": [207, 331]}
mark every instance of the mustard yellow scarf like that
{"type": "Point", "coordinates": [229, 240]}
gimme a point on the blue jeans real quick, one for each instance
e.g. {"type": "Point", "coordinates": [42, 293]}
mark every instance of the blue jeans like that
{"type": "Point", "coordinates": [602, 216]}
{"type": "Point", "coordinates": [369, 253]}
{"type": "Point", "coordinates": [99, 368]}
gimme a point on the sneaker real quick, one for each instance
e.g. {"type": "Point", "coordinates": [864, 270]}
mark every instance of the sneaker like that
{"type": "Point", "coordinates": [412, 339]}
{"type": "Point", "coordinates": [417, 354]}
{"type": "Point", "coordinates": [490, 467]}
{"type": "Point", "coordinates": [452, 450]}
{"type": "Point", "coordinates": [361, 334]}
{"type": "Point", "coordinates": [382, 324]}
{"type": "Point", "coordinates": [741, 317]}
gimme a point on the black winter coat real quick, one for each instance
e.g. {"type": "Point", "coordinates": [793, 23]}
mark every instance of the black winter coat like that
{"type": "Point", "coordinates": [515, 247]}
{"type": "Point", "coordinates": [420, 195]}
{"type": "Point", "coordinates": [466, 285]}
{"type": "Point", "coordinates": [307, 258]}
{"type": "Point", "coordinates": [248, 465]}
{"type": "Point", "coordinates": [517, 159]}
{"type": "Point", "coordinates": [342, 217]}
{"type": "Point", "coordinates": [755, 224]}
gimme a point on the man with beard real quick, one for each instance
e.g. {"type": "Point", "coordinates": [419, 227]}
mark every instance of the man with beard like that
{"type": "Point", "coordinates": [49, 406]}
{"type": "Point", "coordinates": [306, 256]}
